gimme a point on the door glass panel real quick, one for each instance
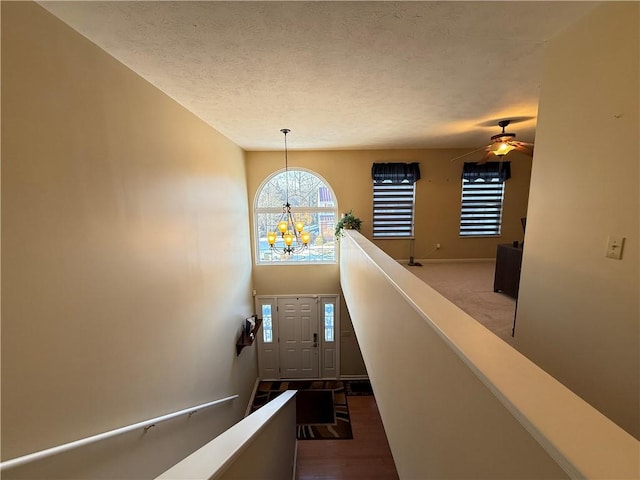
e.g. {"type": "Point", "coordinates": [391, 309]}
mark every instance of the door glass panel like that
{"type": "Point", "coordinates": [267, 324]}
{"type": "Point", "coordinates": [328, 322]}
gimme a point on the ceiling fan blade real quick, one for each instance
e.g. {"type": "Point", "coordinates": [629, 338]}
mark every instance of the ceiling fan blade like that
{"type": "Point", "coordinates": [526, 148]}
{"type": "Point", "coordinates": [485, 158]}
{"type": "Point", "coordinates": [469, 153]}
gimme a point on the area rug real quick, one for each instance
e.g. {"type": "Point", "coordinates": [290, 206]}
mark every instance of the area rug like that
{"type": "Point", "coordinates": [322, 412]}
{"type": "Point", "coordinates": [358, 388]}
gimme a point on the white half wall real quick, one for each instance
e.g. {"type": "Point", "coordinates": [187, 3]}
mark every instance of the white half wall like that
{"type": "Point", "coordinates": [458, 402]}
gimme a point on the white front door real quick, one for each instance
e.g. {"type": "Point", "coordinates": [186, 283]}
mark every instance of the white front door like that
{"type": "Point", "coordinates": [298, 332]}
{"type": "Point", "coordinates": [298, 337]}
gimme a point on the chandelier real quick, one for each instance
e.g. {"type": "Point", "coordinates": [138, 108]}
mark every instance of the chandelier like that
{"type": "Point", "coordinates": [294, 238]}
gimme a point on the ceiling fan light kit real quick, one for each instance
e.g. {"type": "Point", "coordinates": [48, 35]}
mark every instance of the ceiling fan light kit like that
{"type": "Point", "coordinates": [501, 148]}
{"type": "Point", "coordinates": [501, 144]}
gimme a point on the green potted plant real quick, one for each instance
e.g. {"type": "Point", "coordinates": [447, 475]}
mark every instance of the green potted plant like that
{"type": "Point", "coordinates": [349, 221]}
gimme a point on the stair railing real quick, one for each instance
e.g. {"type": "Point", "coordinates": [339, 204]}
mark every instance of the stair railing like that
{"type": "Point", "coordinates": [146, 425]}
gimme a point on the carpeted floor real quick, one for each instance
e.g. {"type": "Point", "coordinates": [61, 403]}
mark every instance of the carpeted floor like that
{"type": "Point", "coordinates": [322, 412]}
{"type": "Point", "coordinates": [470, 286]}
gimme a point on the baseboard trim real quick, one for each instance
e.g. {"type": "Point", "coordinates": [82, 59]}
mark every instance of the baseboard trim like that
{"type": "Point", "coordinates": [341, 377]}
{"type": "Point", "coordinates": [305, 379]}
{"type": "Point", "coordinates": [404, 261]}
{"type": "Point", "coordinates": [354, 377]}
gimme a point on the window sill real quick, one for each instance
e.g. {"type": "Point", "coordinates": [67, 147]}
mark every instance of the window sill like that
{"type": "Point", "coordinates": [290, 264]}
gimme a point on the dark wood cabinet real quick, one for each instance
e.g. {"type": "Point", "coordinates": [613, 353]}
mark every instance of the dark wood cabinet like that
{"type": "Point", "coordinates": [508, 264]}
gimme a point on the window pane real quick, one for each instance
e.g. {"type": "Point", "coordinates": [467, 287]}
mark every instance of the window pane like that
{"type": "Point", "coordinates": [481, 212]}
{"type": "Point", "coordinates": [320, 226]}
{"type": "Point", "coordinates": [311, 202]}
{"type": "Point", "coordinates": [329, 327]}
{"type": "Point", "coordinates": [267, 324]}
{"type": "Point", "coordinates": [305, 190]}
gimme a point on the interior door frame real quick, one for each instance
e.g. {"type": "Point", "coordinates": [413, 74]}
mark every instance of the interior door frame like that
{"type": "Point", "coordinates": [328, 351]}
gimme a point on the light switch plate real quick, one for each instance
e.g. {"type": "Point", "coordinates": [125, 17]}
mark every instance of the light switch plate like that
{"type": "Point", "coordinates": [614, 247]}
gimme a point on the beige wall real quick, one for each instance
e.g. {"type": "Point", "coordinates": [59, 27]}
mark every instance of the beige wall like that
{"type": "Point", "coordinates": [578, 312]}
{"type": "Point", "coordinates": [120, 300]}
{"type": "Point", "coordinates": [437, 195]}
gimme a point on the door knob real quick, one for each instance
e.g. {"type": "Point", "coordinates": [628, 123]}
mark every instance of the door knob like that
{"type": "Point", "coordinates": [315, 340]}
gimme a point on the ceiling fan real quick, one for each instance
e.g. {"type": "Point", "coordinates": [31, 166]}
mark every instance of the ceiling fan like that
{"type": "Point", "coordinates": [501, 144]}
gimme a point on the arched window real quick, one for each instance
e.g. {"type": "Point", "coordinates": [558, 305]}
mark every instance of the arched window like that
{"type": "Point", "coordinates": [312, 201]}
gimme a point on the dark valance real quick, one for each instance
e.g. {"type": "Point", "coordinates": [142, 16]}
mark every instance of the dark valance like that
{"type": "Point", "coordinates": [395, 172]}
{"type": "Point", "coordinates": [487, 171]}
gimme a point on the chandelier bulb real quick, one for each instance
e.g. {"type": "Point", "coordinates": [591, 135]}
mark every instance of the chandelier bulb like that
{"type": "Point", "coordinates": [288, 239]}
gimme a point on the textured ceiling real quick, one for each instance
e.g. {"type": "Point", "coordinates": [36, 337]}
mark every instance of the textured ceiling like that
{"type": "Point", "coordinates": [338, 74]}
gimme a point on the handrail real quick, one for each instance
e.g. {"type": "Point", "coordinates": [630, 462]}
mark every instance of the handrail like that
{"type": "Point", "coordinates": [31, 457]}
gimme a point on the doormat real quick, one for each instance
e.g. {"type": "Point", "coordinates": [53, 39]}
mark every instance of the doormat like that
{"type": "Point", "coordinates": [358, 387]}
{"type": "Point", "coordinates": [322, 412]}
{"type": "Point", "coordinates": [315, 407]}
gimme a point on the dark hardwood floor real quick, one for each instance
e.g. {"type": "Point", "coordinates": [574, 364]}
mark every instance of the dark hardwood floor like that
{"type": "Point", "coordinates": [367, 456]}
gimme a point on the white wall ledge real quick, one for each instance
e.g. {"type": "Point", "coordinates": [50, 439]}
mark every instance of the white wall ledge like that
{"type": "Point", "coordinates": [212, 460]}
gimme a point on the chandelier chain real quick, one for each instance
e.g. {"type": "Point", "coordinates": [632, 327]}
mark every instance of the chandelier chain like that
{"type": "Point", "coordinates": [286, 163]}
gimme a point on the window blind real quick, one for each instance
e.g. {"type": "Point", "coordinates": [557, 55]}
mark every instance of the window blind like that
{"type": "Point", "coordinates": [393, 208]}
{"type": "Point", "coordinates": [481, 213]}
